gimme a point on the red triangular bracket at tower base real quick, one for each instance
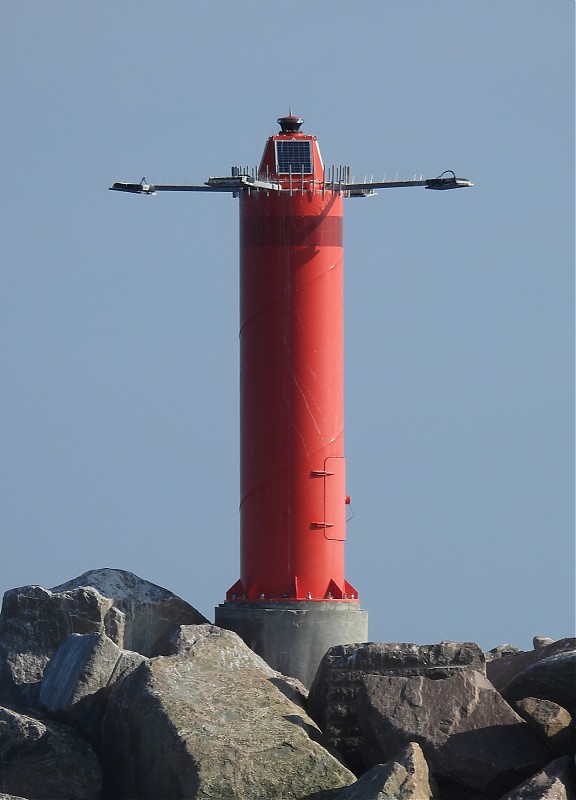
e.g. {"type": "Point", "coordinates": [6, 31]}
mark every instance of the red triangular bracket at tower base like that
{"type": "Point", "coordinates": [235, 592]}
{"type": "Point", "coordinates": [351, 592]}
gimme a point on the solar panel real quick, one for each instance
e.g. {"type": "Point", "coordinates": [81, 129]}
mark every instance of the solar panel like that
{"type": "Point", "coordinates": [293, 156]}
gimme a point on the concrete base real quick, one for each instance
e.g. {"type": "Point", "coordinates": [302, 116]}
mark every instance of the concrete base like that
{"type": "Point", "coordinates": [292, 637]}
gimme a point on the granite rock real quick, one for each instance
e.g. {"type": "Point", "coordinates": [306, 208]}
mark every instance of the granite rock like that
{"type": "Point", "coordinates": [541, 641]}
{"type": "Point", "coordinates": [502, 651]}
{"type": "Point", "coordinates": [181, 727]}
{"type": "Point", "coordinates": [469, 735]}
{"type": "Point", "coordinates": [175, 707]}
{"type": "Point", "coordinates": [197, 641]}
{"type": "Point", "coordinates": [405, 777]}
{"type": "Point", "coordinates": [45, 761]}
{"type": "Point", "coordinates": [556, 781]}
{"type": "Point", "coordinates": [79, 677]}
{"type": "Point", "coordinates": [11, 797]}
{"type": "Point", "coordinates": [135, 614]}
{"type": "Point", "coordinates": [332, 698]}
{"type": "Point", "coordinates": [549, 673]}
{"type": "Point", "coordinates": [550, 721]}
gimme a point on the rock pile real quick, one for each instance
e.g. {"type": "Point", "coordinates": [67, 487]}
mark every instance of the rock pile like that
{"type": "Point", "coordinates": [370, 700]}
{"type": "Point", "coordinates": [113, 688]}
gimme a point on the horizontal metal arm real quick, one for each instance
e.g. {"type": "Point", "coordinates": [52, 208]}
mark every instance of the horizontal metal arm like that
{"type": "Point", "coordinates": [447, 180]}
{"type": "Point", "coordinates": [378, 185]}
{"type": "Point", "coordinates": [227, 184]}
{"type": "Point", "coordinates": [148, 188]}
{"type": "Point", "coordinates": [236, 183]}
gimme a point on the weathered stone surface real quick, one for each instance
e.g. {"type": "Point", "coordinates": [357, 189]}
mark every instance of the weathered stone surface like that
{"type": "Point", "coordinates": [135, 614]}
{"type": "Point", "coordinates": [332, 698]}
{"type": "Point", "coordinates": [175, 729]}
{"type": "Point", "coordinates": [548, 673]}
{"type": "Point", "coordinates": [45, 761]}
{"type": "Point", "coordinates": [468, 733]}
{"type": "Point", "coordinates": [405, 777]}
{"type": "Point", "coordinates": [201, 642]}
{"type": "Point", "coordinates": [10, 797]}
{"type": "Point", "coordinates": [550, 721]}
{"type": "Point", "coordinates": [555, 782]}
{"type": "Point", "coordinates": [541, 641]}
{"type": "Point", "coordinates": [501, 651]}
{"type": "Point", "coordinates": [191, 712]}
{"type": "Point", "coordinates": [212, 647]}
{"type": "Point", "coordinates": [79, 677]}
{"type": "Point", "coordinates": [148, 614]}
{"type": "Point", "coordinates": [439, 660]}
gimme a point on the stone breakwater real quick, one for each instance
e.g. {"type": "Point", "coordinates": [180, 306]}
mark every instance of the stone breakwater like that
{"type": "Point", "coordinates": [112, 688]}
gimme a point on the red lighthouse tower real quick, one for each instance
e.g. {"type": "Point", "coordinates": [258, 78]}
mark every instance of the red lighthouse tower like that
{"type": "Point", "coordinates": [292, 504]}
{"type": "Point", "coordinates": [292, 600]}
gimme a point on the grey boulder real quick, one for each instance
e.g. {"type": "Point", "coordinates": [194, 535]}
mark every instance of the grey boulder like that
{"type": "Point", "coordinates": [332, 698]}
{"type": "Point", "coordinates": [405, 777]}
{"type": "Point", "coordinates": [548, 672]}
{"type": "Point", "coordinates": [541, 641]}
{"type": "Point", "coordinates": [502, 651]}
{"type": "Point", "coordinates": [555, 782]}
{"type": "Point", "coordinates": [550, 721]}
{"type": "Point", "coordinates": [79, 677]}
{"type": "Point", "coordinates": [45, 761]}
{"type": "Point", "coordinates": [135, 614]}
{"type": "Point", "coordinates": [190, 727]}
{"type": "Point", "coordinates": [399, 658]}
{"type": "Point", "coordinates": [211, 647]}
{"type": "Point", "coordinates": [11, 797]}
{"type": "Point", "coordinates": [469, 735]}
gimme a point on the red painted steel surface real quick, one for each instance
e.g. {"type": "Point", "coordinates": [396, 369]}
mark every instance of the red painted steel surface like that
{"type": "Point", "coordinates": [293, 498]}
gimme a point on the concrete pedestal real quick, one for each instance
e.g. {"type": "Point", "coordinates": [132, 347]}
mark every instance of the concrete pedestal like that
{"type": "Point", "coordinates": [292, 637]}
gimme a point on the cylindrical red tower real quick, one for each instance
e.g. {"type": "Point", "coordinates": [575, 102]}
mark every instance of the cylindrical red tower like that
{"type": "Point", "coordinates": [292, 505]}
{"type": "Point", "coordinates": [293, 494]}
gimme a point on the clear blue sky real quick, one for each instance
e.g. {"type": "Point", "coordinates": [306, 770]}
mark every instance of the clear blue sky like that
{"type": "Point", "coordinates": [119, 314]}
